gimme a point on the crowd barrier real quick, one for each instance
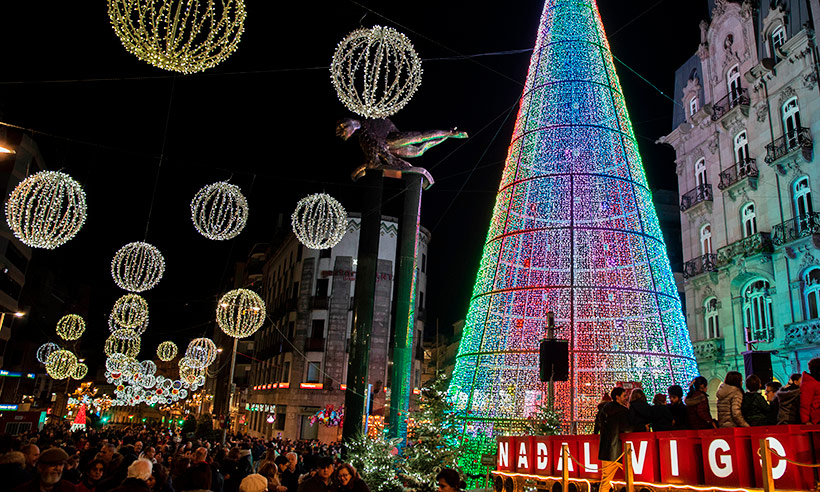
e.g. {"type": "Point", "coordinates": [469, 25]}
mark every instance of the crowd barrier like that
{"type": "Point", "coordinates": [782, 457]}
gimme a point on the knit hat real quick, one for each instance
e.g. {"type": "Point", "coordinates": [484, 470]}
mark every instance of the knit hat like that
{"type": "Point", "coordinates": [53, 456]}
{"type": "Point", "coordinates": [254, 483]}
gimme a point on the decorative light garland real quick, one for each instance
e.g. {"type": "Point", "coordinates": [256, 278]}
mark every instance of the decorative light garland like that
{"type": "Point", "coordinates": [166, 351]}
{"type": "Point", "coordinates": [45, 350]}
{"type": "Point", "coordinates": [190, 374]}
{"type": "Point", "coordinates": [201, 352]}
{"type": "Point", "coordinates": [184, 36]}
{"type": "Point", "coordinates": [60, 364]}
{"type": "Point", "coordinates": [123, 341]}
{"type": "Point", "coordinates": [240, 313]}
{"type": "Point", "coordinates": [117, 362]}
{"type": "Point", "coordinates": [129, 311]}
{"type": "Point", "coordinates": [375, 71]}
{"type": "Point", "coordinates": [219, 211]}
{"type": "Point", "coordinates": [137, 267]}
{"type": "Point", "coordinates": [71, 327]}
{"type": "Point", "coordinates": [46, 210]}
{"type": "Point", "coordinates": [319, 221]}
{"type": "Point", "coordinates": [80, 371]}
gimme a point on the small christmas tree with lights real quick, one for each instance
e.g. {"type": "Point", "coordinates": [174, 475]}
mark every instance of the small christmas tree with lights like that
{"type": "Point", "coordinates": [376, 459]}
{"type": "Point", "coordinates": [79, 420]}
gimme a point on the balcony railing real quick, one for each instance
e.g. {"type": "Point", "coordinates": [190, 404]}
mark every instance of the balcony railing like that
{"type": "Point", "coordinates": [315, 344]}
{"type": "Point", "coordinates": [795, 228]}
{"type": "Point", "coordinates": [735, 98]}
{"type": "Point", "coordinates": [742, 170]}
{"type": "Point", "coordinates": [799, 138]}
{"type": "Point", "coordinates": [803, 333]}
{"type": "Point", "coordinates": [703, 193]}
{"type": "Point", "coordinates": [708, 349]}
{"type": "Point", "coordinates": [319, 302]}
{"type": "Point", "coordinates": [701, 264]}
{"type": "Point", "coordinates": [748, 246]}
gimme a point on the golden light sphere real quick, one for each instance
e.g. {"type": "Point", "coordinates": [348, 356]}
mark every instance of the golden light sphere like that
{"type": "Point", "coordinates": [60, 364]}
{"type": "Point", "coordinates": [137, 267]}
{"type": "Point", "coordinates": [189, 374]}
{"type": "Point", "coordinates": [166, 351]}
{"type": "Point", "coordinates": [240, 313]}
{"type": "Point", "coordinates": [219, 211]}
{"type": "Point", "coordinates": [201, 352]}
{"type": "Point", "coordinates": [79, 372]}
{"type": "Point", "coordinates": [319, 221]}
{"type": "Point", "coordinates": [71, 327]}
{"type": "Point", "coordinates": [129, 311]}
{"type": "Point", "coordinates": [123, 341]}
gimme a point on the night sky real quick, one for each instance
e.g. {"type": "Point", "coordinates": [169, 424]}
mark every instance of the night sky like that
{"type": "Point", "coordinates": [265, 119]}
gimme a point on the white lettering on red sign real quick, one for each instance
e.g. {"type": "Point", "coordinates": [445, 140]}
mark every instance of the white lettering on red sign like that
{"type": "Point", "coordinates": [673, 457]}
{"type": "Point", "coordinates": [639, 458]}
{"type": "Point", "coordinates": [542, 455]}
{"type": "Point", "coordinates": [721, 466]}
{"type": "Point", "coordinates": [561, 459]}
{"type": "Point", "coordinates": [589, 466]}
{"type": "Point", "coordinates": [776, 446]}
{"type": "Point", "coordinates": [503, 455]}
{"type": "Point", "coordinates": [523, 462]}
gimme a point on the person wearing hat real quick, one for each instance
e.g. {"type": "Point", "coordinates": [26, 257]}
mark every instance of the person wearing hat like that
{"type": "Point", "coordinates": [254, 483]}
{"type": "Point", "coordinates": [49, 474]}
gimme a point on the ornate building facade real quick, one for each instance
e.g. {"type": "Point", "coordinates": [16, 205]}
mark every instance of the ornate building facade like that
{"type": "Point", "coordinates": [745, 135]}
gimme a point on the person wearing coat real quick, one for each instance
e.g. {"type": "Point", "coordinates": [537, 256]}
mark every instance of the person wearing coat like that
{"type": "Point", "coordinates": [698, 415]}
{"type": "Point", "coordinates": [640, 412]}
{"type": "Point", "coordinates": [810, 393]}
{"type": "Point", "coordinates": [754, 407]}
{"type": "Point", "coordinates": [729, 401]}
{"type": "Point", "coordinates": [788, 400]}
{"type": "Point", "coordinates": [614, 419]}
{"type": "Point", "coordinates": [349, 480]}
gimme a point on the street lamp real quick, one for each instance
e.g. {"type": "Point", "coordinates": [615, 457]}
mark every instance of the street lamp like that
{"type": "Point", "coordinates": [17, 314]}
{"type": "Point", "coordinates": [6, 150]}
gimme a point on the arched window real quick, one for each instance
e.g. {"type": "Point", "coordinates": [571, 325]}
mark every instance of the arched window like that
{"type": "Point", "coordinates": [811, 293]}
{"type": "Point", "coordinates": [700, 173]}
{"type": "Point", "coordinates": [733, 83]}
{"type": "Point", "coordinates": [693, 105]}
{"type": "Point", "coordinates": [791, 122]}
{"type": "Point", "coordinates": [749, 219]}
{"type": "Point", "coordinates": [802, 198]}
{"type": "Point", "coordinates": [710, 318]}
{"type": "Point", "coordinates": [741, 148]}
{"type": "Point", "coordinates": [706, 239]}
{"type": "Point", "coordinates": [776, 39]}
{"type": "Point", "coordinates": [757, 311]}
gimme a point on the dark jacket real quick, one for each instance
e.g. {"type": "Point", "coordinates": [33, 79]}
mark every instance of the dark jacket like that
{"type": "Point", "coordinates": [640, 415]}
{"type": "Point", "coordinates": [661, 418]}
{"type": "Point", "coordinates": [809, 399]}
{"type": "Point", "coordinates": [697, 411]}
{"type": "Point", "coordinates": [13, 475]}
{"type": "Point", "coordinates": [679, 416]}
{"type": "Point", "coordinates": [755, 409]}
{"type": "Point", "coordinates": [34, 486]}
{"type": "Point", "coordinates": [788, 405]}
{"type": "Point", "coordinates": [290, 479]}
{"type": "Point", "coordinates": [614, 419]}
{"type": "Point", "coordinates": [357, 485]}
{"type": "Point", "coordinates": [316, 484]}
{"type": "Point", "coordinates": [133, 485]}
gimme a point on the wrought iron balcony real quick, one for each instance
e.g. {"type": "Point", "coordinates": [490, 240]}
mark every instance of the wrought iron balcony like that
{"type": "Point", "coordinates": [799, 138]}
{"type": "Point", "coordinates": [795, 228]}
{"type": "Point", "coordinates": [738, 97]}
{"type": "Point", "coordinates": [703, 193]}
{"type": "Point", "coordinates": [701, 264]}
{"type": "Point", "coordinates": [748, 246]}
{"type": "Point", "coordinates": [742, 170]}
{"type": "Point", "coordinates": [315, 344]}
{"type": "Point", "coordinates": [708, 349]}
{"type": "Point", "coordinates": [803, 333]}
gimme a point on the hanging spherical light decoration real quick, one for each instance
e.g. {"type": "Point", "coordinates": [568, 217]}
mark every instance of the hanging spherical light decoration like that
{"type": "Point", "coordinates": [45, 350]}
{"type": "Point", "coordinates": [184, 36]}
{"type": "Point", "coordinates": [201, 353]}
{"type": "Point", "coordinates": [240, 313]}
{"type": "Point", "coordinates": [123, 341]}
{"type": "Point", "coordinates": [46, 209]}
{"type": "Point", "coordinates": [60, 364]}
{"type": "Point", "coordinates": [219, 211]}
{"type": "Point", "coordinates": [117, 362]}
{"type": "Point", "coordinates": [79, 372]}
{"type": "Point", "coordinates": [166, 351]}
{"type": "Point", "coordinates": [71, 327]}
{"type": "Point", "coordinates": [375, 71]}
{"type": "Point", "coordinates": [148, 367]}
{"type": "Point", "coordinates": [190, 374]}
{"type": "Point", "coordinates": [130, 311]}
{"type": "Point", "coordinates": [137, 267]}
{"type": "Point", "coordinates": [319, 221]}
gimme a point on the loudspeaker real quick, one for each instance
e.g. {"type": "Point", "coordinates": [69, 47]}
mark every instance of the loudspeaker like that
{"type": "Point", "coordinates": [759, 364]}
{"type": "Point", "coordinates": [554, 360]}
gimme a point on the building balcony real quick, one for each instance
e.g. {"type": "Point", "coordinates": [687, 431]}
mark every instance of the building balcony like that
{"type": "Point", "coordinates": [748, 246]}
{"type": "Point", "coordinates": [797, 139]}
{"type": "Point", "coordinates": [708, 349]}
{"type": "Point", "coordinates": [319, 302]}
{"type": "Point", "coordinates": [803, 333]}
{"type": "Point", "coordinates": [735, 99]}
{"type": "Point", "coordinates": [737, 173]}
{"type": "Point", "coordinates": [314, 344]}
{"type": "Point", "coordinates": [702, 193]}
{"type": "Point", "coordinates": [699, 265]}
{"type": "Point", "coordinates": [796, 228]}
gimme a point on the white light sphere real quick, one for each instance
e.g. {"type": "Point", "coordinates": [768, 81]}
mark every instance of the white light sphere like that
{"type": "Point", "coordinates": [60, 364]}
{"type": "Point", "coordinates": [137, 267]}
{"type": "Point", "coordinates": [123, 341]}
{"type": "Point", "coordinates": [46, 210]}
{"type": "Point", "coordinates": [319, 221]}
{"type": "Point", "coordinates": [219, 211]}
{"type": "Point", "coordinates": [375, 71]}
{"type": "Point", "coordinates": [79, 372]}
{"type": "Point", "coordinates": [190, 374]}
{"type": "Point", "coordinates": [166, 351]}
{"type": "Point", "coordinates": [117, 362]}
{"type": "Point", "coordinates": [201, 353]}
{"type": "Point", "coordinates": [45, 350]}
{"type": "Point", "coordinates": [240, 313]}
{"type": "Point", "coordinates": [71, 327]}
{"type": "Point", "coordinates": [148, 367]}
{"type": "Point", "coordinates": [129, 311]}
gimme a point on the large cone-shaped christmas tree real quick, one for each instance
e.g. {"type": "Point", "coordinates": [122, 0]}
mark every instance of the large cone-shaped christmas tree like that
{"type": "Point", "coordinates": [573, 231]}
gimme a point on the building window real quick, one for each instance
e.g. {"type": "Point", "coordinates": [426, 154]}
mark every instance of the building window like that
{"type": "Point", "coordinates": [423, 263]}
{"type": "Point", "coordinates": [791, 122]}
{"type": "Point", "coordinates": [706, 239]}
{"type": "Point", "coordinates": [16, 257]}
{"type": "Point", "coordinates": [811, 293]}
{"type": "Point", "coordinates": [322, 286]}
{"type": "Point", "coordinates": [733, 83]}
{"type": "Point", "coordinates": [700, 173]}
{"type": "Point", "coordinates": [749, 220]}
{"type": "Point", "coordinates": [421, 300]}
{"type": "Point", "coordinates": [317, 329]}
{"type": "Point", "coordinates": [710, 318]}
{"type": "Point", "coordinates": [802, 200]}
{"type": "Point", "coordinates": [313, 372]}
{"type": "Point", "coordinates": [693, 105]}
{"type": "Point", "coordinates": [286, 372]}
{"type": "Point", "coordinates": [741, 147]}
{"type": "Point", "coordinates": [757, 311]}
{"type": "Point", "coordinates": [776, 40]}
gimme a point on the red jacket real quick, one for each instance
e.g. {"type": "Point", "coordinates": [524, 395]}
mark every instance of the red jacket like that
{"type": "Point", "coordinates": [809, 399]}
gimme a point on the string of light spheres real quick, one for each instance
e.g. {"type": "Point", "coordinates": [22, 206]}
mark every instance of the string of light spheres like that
{"type": "Point", "coordinates": [45, 350]}
{"type": "Point", "coordinates": [319, 221]}
{"type": "Point", "coordinates": [201, 352]}
{"type": "Point", "coordinates": [137, 267]}
{"type": "Point", "coordinates": [71, 327]}
{"type": "Point", "coordinates": [129, 311]}
{"type": "Point", "coordinates": [219, 211]}
{"type": "Point", "coordinates": [60, 364]}
{"type": "Point", "coordinates": [46, 209]}
{"type": "Point", "coordinates": [240, 313]}
{"type": "Point", "coordinates": [166, 351]}
{"type": "Point", "coordinates": [122, 341]}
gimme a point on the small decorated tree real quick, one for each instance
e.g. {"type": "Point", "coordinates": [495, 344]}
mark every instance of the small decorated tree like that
{"type": "Point", "coordinates": [376, 460]}
{"type": "Point", "coordinates": [544, 421]}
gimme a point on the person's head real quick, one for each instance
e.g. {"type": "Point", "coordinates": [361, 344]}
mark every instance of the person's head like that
{"type": "Point", "coordinates": [31, 452]}
{"type": "Point", "coordinates": [138, 447]}
{"type": "Point", "coordinates": [814, 368]}
{"type": "Point", "coordinates": [198, 476]}
{"type": "Point", "coordinates": [753, 384]}
{"type": "Point", "coordinates": [698, 384]}
{"type": "Point", "coordinates": [50, 466]}
{"type": "Point", "coordinates": [324, 467]}
{"type": "Point", "coordinates": [254, 483]}
{"type": "Point", "coordinates": [200, 455]}
{"type": "Point", "coordinates": [346, 474]}
{"type": "Point", "coordinates": [149, 453]}
{"type": "Point", "coordinates": [795, 379]}
{"type": "Point", "coordinates": [293, 460]}
{"type": "Point", "coordinates": [450, 481]}
{"type": "Point", "coordinates": [619, 395]}
{"type": "Point", "coordinates": [107, 452]}
{"type": "Point", "coordinates": [675, 393]}
{"type": "Point", "coordinates": [269, 469]}
{"type": "Point", "coordinates": [771, 389]}
{"type": "Point", "coordinates": [281, 462]}
{"type": "Point", "coordinates": [270, 454]}
{"type": "Point", "coordinates": [159, 476]}
{"type": "Point", "coordinates": [140, 469]}
{"type": "Point", "coordinates": [734, 378]}
{"type": "Point", "coordinates": [659, 399]}
{"type": "Point", "coordinates": [637, 395]}
{"type": "Point", "coordinates": [95, 469]}
{"type": "Point", "coordinates": [345, 128]}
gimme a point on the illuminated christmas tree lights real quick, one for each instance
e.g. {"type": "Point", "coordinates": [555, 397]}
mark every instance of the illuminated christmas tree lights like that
{"type": "Point", "coordinates": [573, 231]}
